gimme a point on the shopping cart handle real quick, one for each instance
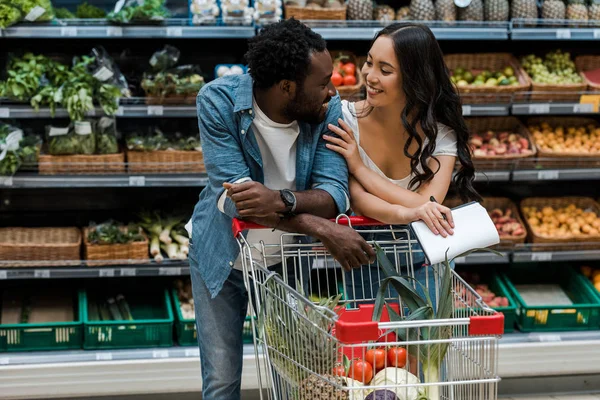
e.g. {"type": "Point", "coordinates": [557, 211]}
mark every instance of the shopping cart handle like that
{"type": "Point", "coordinates": [238, 225]}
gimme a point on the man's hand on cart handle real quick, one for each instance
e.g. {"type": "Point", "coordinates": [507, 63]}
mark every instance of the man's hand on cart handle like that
{"type": "Point", "coordinates": [346, 246]}
{"type": "Point", "coordinates": [253, 199]}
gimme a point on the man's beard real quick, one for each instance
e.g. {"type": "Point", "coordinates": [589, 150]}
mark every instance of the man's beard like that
{"type": "Point", "coordinates": [304, 110]}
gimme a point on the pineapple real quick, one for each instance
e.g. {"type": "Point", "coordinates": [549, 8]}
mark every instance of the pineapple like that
{"type": "Point", "coordinates": [403, 13]}
{"type": "Point", "coordinates": [497, 10]}
{"type": "Point", "coordinates": [360, 9]}
{"type": "Point", "coordinates": [422, 10]}
{"type": "Point", "coordinates": [472, 12]}
{"type": "Point", "coordinates": [320, 388]}
{"type": "Point", "coordinates": [384, 14]}
{"type": "Point", "coordinates": [594, 11]}
{"type": "Point", "coordinates": [524, 9]}
{"type": "Point", "coordinates": [553, 9]}
{"type": "Point", "coordinates": [445, 10]}
{"type": "Point", "coordinates": [577, 10]}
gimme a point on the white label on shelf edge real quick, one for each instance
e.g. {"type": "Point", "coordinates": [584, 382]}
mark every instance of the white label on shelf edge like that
{"type": "Point", "coordinates": [466, 110]}
{"type": "Point", "coordinates": [563, 34]}
{"type": "Point", "coordinates": [6, 180]}
{"type": "Point", "coordinates": [4, 112]}
{"type": "Point", "coordinates": [596, 33]}
{"type": "Point", "coordinates": [541, 256]}
{"type": "Point", "coordinates": [35, 13]}
{"type": "Point", "coordinates": [550, 338]}
{"type": "Point", "coordinates": [68, 31]}
{"type": "Point", "coordinates": [548, 174]}
{"type": "Point", "coordinates": [4, 360]}
{"type": "Point", "coordinates": [174, 31]}
{"type": "Point", "coordinates": [120, 111]}
{"type": "Point", "coordinates": [156, 110]}
{"type": "Point", "coordinates": [169, 271]}
{"type": "Point", "coordinates": [460, 260]}
{"type": "Point", "coordinates": [41, 273]}
{"type": "Point", "coordinates": [3, 275]}
{"type": "Point", "coordinates": [539, 108]}
{"type": "Point", "coordinates": [137, 181]}
{"type": "Point", "coordinates": [106, 273]}
{"type": "Point", "coordinates": [192, 352]}
{"type": "Point", "coordinates": [114, 31]}
{"type": "Point", "coordinates": [583, 108]}
{"type": "Point", "coordinates": [104, 356]}
{"type": "Point", "coordinates": [160, 354]}
{"type": "Point", "coordinates": [128, 272]}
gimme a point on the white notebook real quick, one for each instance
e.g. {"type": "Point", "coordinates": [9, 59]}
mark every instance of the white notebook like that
{"type": "Point", "coordinates": [473, 228]}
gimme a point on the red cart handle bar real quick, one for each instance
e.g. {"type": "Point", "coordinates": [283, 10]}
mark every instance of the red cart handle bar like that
{"type": "Point", "coordinates": [238, 226]}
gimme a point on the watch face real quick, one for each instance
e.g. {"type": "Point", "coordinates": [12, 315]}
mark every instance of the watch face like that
{"type": "Point", "coordinates": [288, 197]}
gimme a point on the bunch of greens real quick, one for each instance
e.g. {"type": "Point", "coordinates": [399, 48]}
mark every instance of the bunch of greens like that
{"type": "Point", "coordinates": [16, 150]}
{"type": "Point", "coordinates": [35, 10]}
{"type": "Point", "coordinates": [24, 76]}
{"type": "Point", "coordinates": [158, 141]}
{"type": "Point", "coordinates": [106, 136]}
{"type": "Point", "coordinates": [88, 11]}
{"type": "Point", "coordinates": [140, 11]}
{"type": "Point", "coordinates": [185, 80]}
{"type": "Point", "coordinates": [9, 15]}
{"type": "Point", "coordinates": [164, 59]}
{"type": "Point", "coordinates": [61, 141]}
{"type": "Point", "coordinates": [84, 133]}
{"type": "Point", "coordinates": [63, 13]}
{"type": "Point", "coordinates": [166, 233]}
{"type": "Point", "coordinates": [111, 232]}
{"type": "Point", "coordinates": [30, 150]}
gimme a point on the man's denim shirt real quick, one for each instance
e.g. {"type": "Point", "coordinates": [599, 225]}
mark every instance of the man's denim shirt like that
{"type": "Point", "coordinates": [231, 154]}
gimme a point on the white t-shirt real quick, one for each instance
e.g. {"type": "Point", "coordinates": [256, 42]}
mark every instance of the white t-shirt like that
{"type": "Point", "coordinates": [277, 144]}
{"type": "Point", "coordinates": [445, 144]}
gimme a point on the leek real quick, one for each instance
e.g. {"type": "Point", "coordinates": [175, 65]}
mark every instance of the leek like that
{"type": "Point", "coordinates": [184, 249]}
{"type": "Point", "coordinates": [165, 235]}
{"type": "Point", "coordinates": [124, 308]}
{"type": "Point", "coordinates": [171, 249]}
{"type": "Point", "coordinates": [182, 240]}
{"type": "Point", "coordinates": [158, 258]}
{"type": "Point", "coordinates": [154, 246]}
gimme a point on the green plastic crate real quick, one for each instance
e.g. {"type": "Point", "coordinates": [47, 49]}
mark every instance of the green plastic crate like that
{"type": "Point", "coordinates": [497, 285]}
{"type": "Point", "coordinates": [185, 328]}
{"type": "Point", "coordinates": [586, 282]}
{"type": "Point", "coordinates": [152, 325]}
{"type": "Point", "coordinates": [583, 314]}
{"type": "Point", "coordinates": [46, 336]}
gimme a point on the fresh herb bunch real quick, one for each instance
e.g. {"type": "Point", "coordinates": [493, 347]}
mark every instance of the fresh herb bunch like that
{"type": "Point", "coordinates": [106, 136]}
{"type": "Point", "coordinates": [158, 141]}
{"type": "Point", "coordinates": [140, 11]}
{"type": "Point", "coordinates": [64, 145]}
{"type": "Point", "coordinates": [179, 81]}
{"type": "Point", "coordinates": [63, 13]}
{"type": "Point", "coordinates": [112, 232]}
{"type": "Point", "coordinates": [26, 153]}
{"type": "Point", "coordinates": [88, 11]}
{"type": "Point", "coordinates": [28, 5]}
{"type": "Point", "coordinates": [9, 15]}
{"type": "Point", "coordinates": [24, 76]}
{"type": "Point", "coordinates": [84, 132]}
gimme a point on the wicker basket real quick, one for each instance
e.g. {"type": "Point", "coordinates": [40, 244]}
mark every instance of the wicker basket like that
{"type": "Point", "coordinates": [588, 63]}
{"type": "Point", "coordinates": [493, 62]}
{"type": "Point", "coordinates": [37, 246]}
{"type": "Point", "coordinates": [347, 92]}
{"type": "Point", "coordinates": [566, 122]}
{"type": "Point", "coordinates": [310, 14]}
{"type": "Point", "coordinates": [112, 254]}
{"type": "Point", "coordinates": [584, 203]}
{"type": "Point", "coordinates": [82, 164]}
{"type": "Point", "coordinates": [502, 203]}
{"type": "Point", "coordinates": [166, 161]}
{"type": "Point", "coordinates": [511, 124]}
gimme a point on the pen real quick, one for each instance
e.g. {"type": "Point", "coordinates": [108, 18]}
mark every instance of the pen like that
{"type": "Point", "coordinates": [432, 199]}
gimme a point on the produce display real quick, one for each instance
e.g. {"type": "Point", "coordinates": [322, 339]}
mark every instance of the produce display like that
{"type": "Point", "coordinates": [489, 297]}
{"type": "Point", "coordinates": [83, 137]}
{"type": "Point", "coordinates": [139, 12]}
{"type": "Point", "coordinates": [16, 149]}
{"type": "Point", "coordinates": [344, 71]}
{"type": "Point", "coordinates": [593, 274]}
{"type": "Point", "coordinates": [167, 234]}
{"type": "Point", "coordinates": [556, 67]}
{"type": "Point", "coordinates": [562, 222]}
{"type": "Point", "coordinates": [35, 10]}
{"type": "Point", "coordinates": [156, 140]}
{"type": "Point", "coordinates": [41, 306]}
{"type": "Point", "coordinates": [9, 15]}
{"type": "Point", "coordinates": [84, 11]}
{"type": "Point", "coordinates": [505, 77]}
{"type": "Point", "coordinates": [506, 224]}
{"type": "Point", "coordinates": [560, 139]}
{"type": "Point", "coordinates": [112, 232]}
{"type": "Point", "coordinates": [186, 300]}
{"type": "Point", "coordinates": [109, 309]}
{"type": "Point", "coordinates": [504, 143]}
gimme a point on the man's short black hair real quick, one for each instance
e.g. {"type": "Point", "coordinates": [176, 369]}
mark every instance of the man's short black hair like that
{"type": "Point", "coordinates": [282, 51]}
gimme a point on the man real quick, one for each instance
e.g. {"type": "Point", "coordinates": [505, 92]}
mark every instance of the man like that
{"type": "Point", "coordinates": [267, 163]}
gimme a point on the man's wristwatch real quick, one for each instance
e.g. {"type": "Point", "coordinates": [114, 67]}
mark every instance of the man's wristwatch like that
{"type": "Point", "coordinates": [289, 199]}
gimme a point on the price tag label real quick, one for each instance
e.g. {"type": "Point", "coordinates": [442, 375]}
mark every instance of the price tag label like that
{"type": "Point", "coordinates": [563, 34]}
{"type": "Point", "coordinates": [137, 181]}
{"type": "Point", "coordinates": [192, 352]}
{"type": "Point", "coordinates": [107, 273]}
{"type": "Point", "coordinates": [174, 31]}
{"type": "Point", "coordinates": [68, 31]}
{"type": "Point", "coordinates": [466, 110]}
{"type": "Point", "coordinates": [596, 33]}
{"type": "Point", "coordinates": [169, 271]}
{"type": "Point", "coordinates": [460, 260]}
{"type": "Point", "coordinates": [6, 180]}
{"type": "Point", "coordinates": [539, 109]}
{"type": "Point", "coordinates": [3, 275]}
{"type": "Point", "coordinates": [583, 108]}
{"type": "Point", "coordinates": [160, 354]}
{"type": "Point", "coordinates": [156, 110]}
{"type": "Point", "coordinates": [548, 175]}
{"type": "Point", "coordinates": [120, 111]}
{"type": "Point", "coordinates": [4, 360]}
{"type": "Point", "coordinates": [114, 31]}
{"type": "Point", "coordinates": [541, 256]}
{"type": "Point", "coordinates": [550, 338]}
{"type": "Point", "coordinates": [41, 273]}
{"type": "Point", "coordinates": [128, 272]}
{"type": "Point", "coordinates": [104, 356]}
{"type": "Point", "coordinates": [4, 112]}
{"type": "Point", "coordinates": [592, 99]}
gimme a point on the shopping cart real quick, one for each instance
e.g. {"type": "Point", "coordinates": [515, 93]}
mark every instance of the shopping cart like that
{"type": "Point", "coordinates": [314, 327]}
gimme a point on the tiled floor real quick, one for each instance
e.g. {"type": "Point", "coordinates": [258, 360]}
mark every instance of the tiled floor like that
{"type": "Point", "coordinates": [562, 397]}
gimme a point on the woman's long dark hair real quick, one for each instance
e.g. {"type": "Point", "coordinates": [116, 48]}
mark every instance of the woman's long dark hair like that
{"type": "Point", "coordinates": [431, 98]}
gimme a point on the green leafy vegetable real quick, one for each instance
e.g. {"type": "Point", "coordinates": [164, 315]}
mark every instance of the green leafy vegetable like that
{"type": "Point", "coordinates": [136, 11]}
{"type": "Point", "coordinates": [30, 9]}
{"type": "Point", "coordinates": [9, 15]}
{"type": "Point", "coordinates": [63, 13]}
{"type": "Point", "coordinates": [111, 232]}
{"type": "Point", "coordinates": [88, 11]}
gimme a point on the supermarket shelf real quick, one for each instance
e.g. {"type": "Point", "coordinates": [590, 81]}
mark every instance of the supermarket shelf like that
{"type": "Point", "coordinates": [527, 29]}
{"type": "Point", "coordinates": [586, 252]}
{"type": "Point", "coordinates": [484, 258]}
{"type": "Point", "coordinates": [492, 176]}
{"type": "Point", "coordinates": [555, 108]}
{"type": "Point", "coordinates": [176, 369]}
{"type": "Point", "coordinates": [478, 110]}
{"type": "Point", "coordinates": [575, 174]}
{"type": "Point", "coordinates": [131, 111]}
{"type": "Point", "coordinates": [34, 181]}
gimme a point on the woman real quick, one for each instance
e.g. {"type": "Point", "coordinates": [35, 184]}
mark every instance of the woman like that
{"type": "Point", "coordinates": [402, 142]}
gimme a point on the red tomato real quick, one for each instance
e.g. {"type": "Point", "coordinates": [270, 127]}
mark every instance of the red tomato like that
{"type": "Point", "coordinates": [337, 79]}
{"type": "Point", "coordinates": [339, 371]}
{"type": "Point", "coordinates": [376, 357]}
{"type": "Point", "coordinates": [349, 80]}
{"type": "Point", "coordinates": [361, 371]}
{"type": "Point", "coordinates": [397, 357]}
{"type": "Point", "coordinates": [349, 69]}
